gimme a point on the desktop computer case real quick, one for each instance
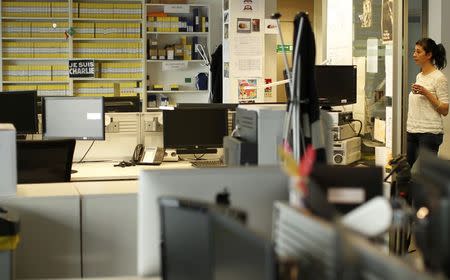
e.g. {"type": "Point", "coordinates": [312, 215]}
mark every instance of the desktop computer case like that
{"type": "Point", "coordinates": [262, 125]}
{"type": "Point", "coordinates": [8, 161]}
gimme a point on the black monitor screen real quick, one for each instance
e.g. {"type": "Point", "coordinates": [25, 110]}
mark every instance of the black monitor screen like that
{"type": "Point", "coordinates": [123, 104]}
{"type": "Point", "coordinates": [336, 84]}
{"type": "Point", "coordinates": [20, 109]}
{"type": "Point", "coordinates": [240, 253]}
{"type": "Point", "coordinates": [345, 187]}
{"type": "Point", "coordinates": [194, 129]}
{"type": "Point", "coordinates": [185, 245]}
{"type": "Point", "coordinates": [80, 118]}
{"type": "Point", "coordinates": [47, 161]}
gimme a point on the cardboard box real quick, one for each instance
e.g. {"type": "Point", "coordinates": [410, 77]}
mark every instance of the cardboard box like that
{"type": "Point", "coordinates": [153, 54]}
{"type": "Point", "coordinates": [161, 54]}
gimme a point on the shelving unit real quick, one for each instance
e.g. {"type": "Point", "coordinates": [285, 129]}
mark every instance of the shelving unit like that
{"type": "Point", "coordinates": [114, 33]}
{"type": "Point", "coordinates": [174, 27]}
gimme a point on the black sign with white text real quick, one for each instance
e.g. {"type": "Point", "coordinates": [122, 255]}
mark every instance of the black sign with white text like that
{"type": "Point", "coordinates": [81, 69]}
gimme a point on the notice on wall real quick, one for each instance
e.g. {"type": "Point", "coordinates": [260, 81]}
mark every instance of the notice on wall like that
{"type": "Point", "coordinates": [270, 26]}
{"type": "Point", "coordinates": [248, 66]}
{"type": "Point", "coordinates": [340, 32]}
{"type": "Point", "coordinates": [176, 9]}
{"type": "Point", "coordinates": [372, 55]}
{"type": "Point", "coordinates": [174, 65]}
{"type": "Point", "coordinates": [81, 68]}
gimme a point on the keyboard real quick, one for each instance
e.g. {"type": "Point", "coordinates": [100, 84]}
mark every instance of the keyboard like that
{"type": "Point", "coordinates": [208, 163]}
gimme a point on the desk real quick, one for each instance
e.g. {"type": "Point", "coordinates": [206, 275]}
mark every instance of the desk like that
{"type": "Point", "coordinates": [106, 171]}
{"type": "Point", "coordinates": [109, 227]}
{"type": "Point", "coordinates": [50, 230]}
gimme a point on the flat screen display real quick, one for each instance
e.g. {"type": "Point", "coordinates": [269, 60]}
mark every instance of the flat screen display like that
{"type": "Point", "coordinates": [336, 84]}
{"type": "Point", "coordinates": [195, 128]}
{"type": "Point", "coordinates": [79, 118]}
{"type": "Point", "coordinates": [20, 109]}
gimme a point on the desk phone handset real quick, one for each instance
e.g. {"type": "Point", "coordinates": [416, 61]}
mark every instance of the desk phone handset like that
{"type": "Point", "coordinates": [151, 155]}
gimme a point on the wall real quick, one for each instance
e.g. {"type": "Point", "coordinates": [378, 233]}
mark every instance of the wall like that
{"type": "Point", "coordinates": [439, 20]}
{"type": "Point", "coordinates": [288, 10]}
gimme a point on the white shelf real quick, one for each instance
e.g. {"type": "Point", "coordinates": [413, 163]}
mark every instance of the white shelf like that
{"type": "Point", "coordinates": [165, 60]}
{"type": "Point", "coordinates": [109, 19]}
{"type": "Point", "coordinates": [107, 79]}
{"type": "Point", "coordinates": [162, 4]}
{"type": "Point", "coordinates": [110, 39]}
{"type": "Point", "coordinates": [36, 18]}
{"type": "Point", "coordinates": [108, 59]}
{"type": "Point", "coordinates": [35, 82]}
{"type": "Point", "coordinates": [177, 91]}
{"type": "Point", "coordinates": [180, 33]}
{"type": "Point", "coordinates": [33, 59]}
{"type": "Point", "coordinates": [32, 39]}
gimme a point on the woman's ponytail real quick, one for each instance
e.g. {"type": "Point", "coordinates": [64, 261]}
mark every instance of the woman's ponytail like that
{"type": "Point", "coordinates": [439, 55]}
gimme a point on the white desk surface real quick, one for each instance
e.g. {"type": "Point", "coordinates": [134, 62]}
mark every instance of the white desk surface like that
{"type": "Point", "coordinates": [46, 190]}
{"type": "Point", "coordinates": [103, 171]}
{"type": "Point", "coordinates": [107, 187]}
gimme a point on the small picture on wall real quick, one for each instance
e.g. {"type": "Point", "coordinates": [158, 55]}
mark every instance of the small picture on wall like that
{"type": "Point", "coordinates": [256, 27]}
{"type": "Point", "coordinates": [244, 25]}
{"type": "Point", "coordinates": [247, 90]}
{"type": "Point", "coordinates": [226, 69]}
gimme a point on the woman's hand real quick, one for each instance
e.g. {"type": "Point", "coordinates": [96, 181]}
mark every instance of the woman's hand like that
{"type": "Point", "coordinates": [418, 89]}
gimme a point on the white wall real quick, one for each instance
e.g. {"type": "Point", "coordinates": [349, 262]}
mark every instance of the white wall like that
{"type": "Point", "coordinates": [438, 21]}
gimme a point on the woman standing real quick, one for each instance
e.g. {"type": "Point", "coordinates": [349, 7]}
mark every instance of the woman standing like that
{"type": "Point", "coordinates": [428, 100]}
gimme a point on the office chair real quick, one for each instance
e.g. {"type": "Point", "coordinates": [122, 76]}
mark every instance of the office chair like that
{"type": "Point", "coordinates": [46, 161]}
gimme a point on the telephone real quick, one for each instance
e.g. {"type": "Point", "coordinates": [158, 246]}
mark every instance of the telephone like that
{"type": "Point", "coordinates": [151, 155]}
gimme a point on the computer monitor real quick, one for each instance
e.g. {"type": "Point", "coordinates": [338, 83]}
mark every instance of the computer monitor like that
{"type": "Point", "coordinates": [336, 84]}
{"type": "Point", "coordinates": [46, 161]}
{"type": "Point", "coordinates": [252, 189]}
{"type": "Point", "coordinates": [432, 197]}
{"type": "Point", "coordinates": [345, 187]}
{"type": "Point", "coordinates": [186, 237]}
{"type": "Point", "coordinates": [195, 131]}
{"type": "Point", "coordinates": [239, 253]}
{"type": "Point", "coordinates": [123, 104]}
{"type": "Point", "coordinates": [80, 118]}
{"type": "Point", "coordinates": [20, 109]}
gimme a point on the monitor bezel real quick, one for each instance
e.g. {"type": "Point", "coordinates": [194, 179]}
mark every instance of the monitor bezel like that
{"type": "Point", "coordinates": [44, 120]}
{"type": "Point", "coordinates": [35, 114]}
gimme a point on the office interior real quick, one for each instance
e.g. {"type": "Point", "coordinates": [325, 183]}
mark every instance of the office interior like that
{"type": "Point", "coordinates": [139, 175]}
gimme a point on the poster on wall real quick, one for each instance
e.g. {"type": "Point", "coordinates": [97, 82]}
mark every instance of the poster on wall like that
{"type": "Point", "coordinates": [268, 90]}
{"type": "Point", "coordinates": [366, 16]}
{"type": "Point", "coordinates": [248, 6]}
{"type": "Point", "coordinates": [247, 92]}
{"type": "Point", "coordinates": [387, 20]}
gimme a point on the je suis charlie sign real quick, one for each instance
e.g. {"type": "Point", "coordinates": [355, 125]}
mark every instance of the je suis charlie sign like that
{"type": "Point", "coordinates": [81, 68]}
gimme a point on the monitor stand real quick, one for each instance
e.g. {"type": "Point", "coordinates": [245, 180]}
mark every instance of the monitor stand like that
{"type": "Point", "coordinates": [326, 108]}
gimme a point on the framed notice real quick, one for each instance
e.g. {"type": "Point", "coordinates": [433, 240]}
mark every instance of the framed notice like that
{"type": "Point", "coordinates": [82, 68]}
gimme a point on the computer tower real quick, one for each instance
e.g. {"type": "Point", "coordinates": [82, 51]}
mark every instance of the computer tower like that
{"type": "Point", "coordinates": [8, 160]}
{"type": "Point", "coordinates": [262, 125]}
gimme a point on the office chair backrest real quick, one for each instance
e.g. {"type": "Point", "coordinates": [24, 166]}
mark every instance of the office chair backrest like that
{"type": "Point", "coordinates": [46, 161]}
